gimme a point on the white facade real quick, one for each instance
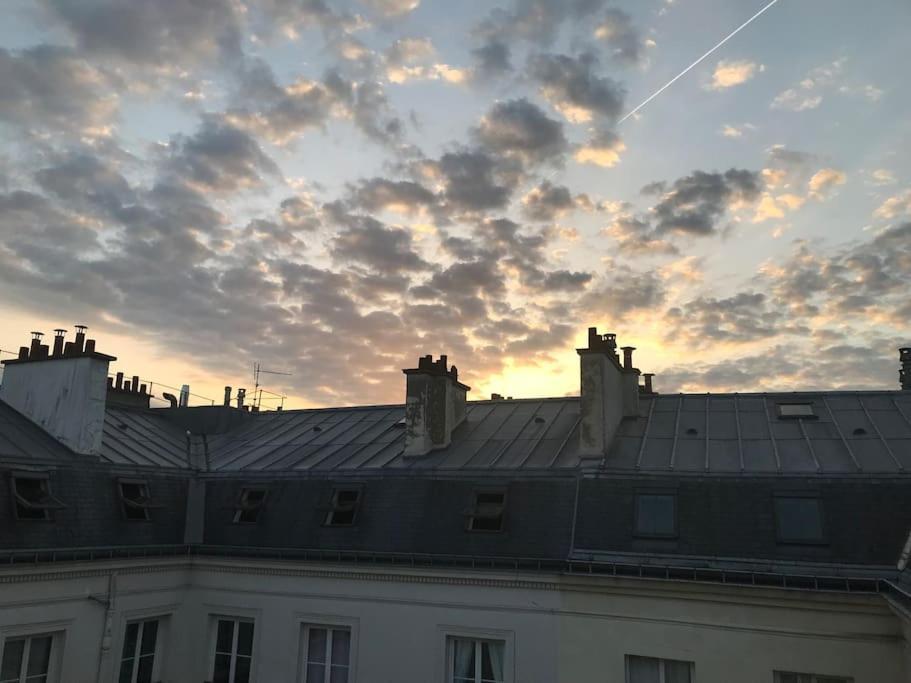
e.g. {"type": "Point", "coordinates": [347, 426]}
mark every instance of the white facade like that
{"type": "Point", "coordinates": [553, 628]}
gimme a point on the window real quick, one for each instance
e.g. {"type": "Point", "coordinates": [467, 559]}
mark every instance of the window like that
{"type": "Point", "coordinates": [788, 677]}
{"type": "Point", "coordinates": [27, 659]}
{"type": "Point", "coordinates": [135, 499]}
{"type": "Point", "coordinates": [233, 651]}
{"type": "Point", "coordinates": [653, 670]}
{"type": "Point", "coordinates": [475, 661]}
{"type": "Point", "coordinates": [795, 410]}
{"type": "Point", "coordinates": [799, 519]}
{"type": "Point", "coordinates": [656, 515]}
{"type": "Point", "coordinates": [32, 496]}
{"type": "Point", "coordinates": [327, 654]}
{"type": "Point", "coordinates": [343, 507]}
{"type": "Point", "coordinates": [487, 511]}
{"type": "Point", "coordinates": [137, 663]}
{"type": "Point", "coordinates": [249, 505]}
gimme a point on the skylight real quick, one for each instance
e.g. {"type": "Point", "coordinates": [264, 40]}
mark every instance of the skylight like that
{"type": "Point", "coordinates": [487, 511]}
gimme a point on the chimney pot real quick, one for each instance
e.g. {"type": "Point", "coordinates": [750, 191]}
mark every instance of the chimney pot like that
{"type": "Point", "coordinates": [241, 395]}
{"type": "Point", "coordinates": [59, 335]}
{"type": "Point", "coordinates": [628, 357]}
{"type": "Point", "coordinates": [227, 396]}
{"type": "Point", "coordinates": [170, 398]}
{"type": "Point", "coordinates": [34, 348]}
{"type": "Point", "coordinates": [119, 383]}
{"type": "Point", "coordinates": [135, 385]}
{"type": "Point", "coordinates": [23, 353]}
{"type": "Point", "coordinates": [143, 389]}
{"type": "Point", "coordinates": [80, 339]}
{"type": "Point", "coordinates": [648, 382]}
{"type": "Point", "coordinates": [184, 395]}
{"type": "Point", "coordinates": [68, 349]}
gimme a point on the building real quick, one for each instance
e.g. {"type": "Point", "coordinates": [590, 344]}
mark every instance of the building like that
{"type": "Point", "coordinates": [619, 536]}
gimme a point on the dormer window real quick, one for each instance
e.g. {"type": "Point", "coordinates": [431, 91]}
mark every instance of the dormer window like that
{"type": "Point", "coordinates": [32, 496]}
{"type": "Point", "coordinates": [135, 500]}
{"type": "Point", "coordinates": [343, 506]}
{"type": "Point", "coordinates": [249, 505]}
{"type": "Point", "coordinates": [796, 411]}
{"type": "Point", "coordinates": [488, 511]}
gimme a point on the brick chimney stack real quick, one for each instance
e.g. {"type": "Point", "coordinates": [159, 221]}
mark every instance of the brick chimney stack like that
{"type": "Point", "coordinates": [434, 405]}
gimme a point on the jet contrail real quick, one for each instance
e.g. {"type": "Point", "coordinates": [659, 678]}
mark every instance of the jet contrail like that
{"type": "Point", "coordinates": [683, 73]}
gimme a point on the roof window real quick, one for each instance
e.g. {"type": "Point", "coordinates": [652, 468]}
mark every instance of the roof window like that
{"type": "Point", "coordinates": [249, 505]}
{"type": "Point", "coordinates": [488, 511]}
{"type": "Point", "coordinates": [343, 507]}
{"type": "Point", "coordinates": [32, 496]}
{"type": "Point", "coordinates": [796, 411]}
{"type": "Point", "coordinates": [136, 503]}
{"type": "Point", "coordinates": [656, 515]}
{"type": "Point", "coordinates": [799, 519]}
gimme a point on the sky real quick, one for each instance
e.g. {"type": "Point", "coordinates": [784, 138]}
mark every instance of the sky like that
{"type": "Point", "coordinates": [333, 189]}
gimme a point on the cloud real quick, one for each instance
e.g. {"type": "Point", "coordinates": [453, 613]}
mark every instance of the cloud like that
{"type": "Point", "coordinates": [220, 158]}
{"type": "Point", "coordinates": [547, 201]}
{"type": "Point", "coordinates": [621, 292]}
{"type": "Point", "coordinates": [54, 89]}
{"type": "Point", "coordinates": [367, 241]}
{"type": "Point", "coordinates": [895, 206]}
{"type": "Point", "coordinates": [492, 59]}
{"type": "Point", "coordinates": [883, 176]}
{"type": "Point", "coordinates": [729, 73]}
{"type": "Point", "coordinates": [392, 8]}
{"type": "Point", "coordinates": [573, 89]}
{"type": "Point", "coordinates": [744, 317]}
{"type": "Point", "coordinates": [153, 33]}
{"type": "Point", "coordinates": [810, 91]}
{"type": "Point", "coordinates": [824, 181]}
{"type": "Point", "coordinates": [403, 196]}
{"type": "Point", "coordinates": [695, 203]}
{"type": "Point", "coordinates": [520, 129]}
{"type": "Point", "coordinates": [412, 59]}
{"type": "Point", "coordinates": [635, 236]}
{"type": "Point", "coordinates": [730, 131]}
{"type": "Point", "coordinates": [603, 149]}
{"type": "Point", "coordinates": [472, 180]}
{"type": "Point", "coordinates": [622, 37]}
{"type": "Point", "coordinates": [537, 21]}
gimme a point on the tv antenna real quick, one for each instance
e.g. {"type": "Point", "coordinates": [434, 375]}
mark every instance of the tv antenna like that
{"type": "Point", "coordinates": [258, 390]}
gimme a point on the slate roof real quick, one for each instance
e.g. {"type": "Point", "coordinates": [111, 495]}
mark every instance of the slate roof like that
{"type": "Point", "coordinates": [23, 441]}
{"type": "Point", "coordinates": [851, 433]}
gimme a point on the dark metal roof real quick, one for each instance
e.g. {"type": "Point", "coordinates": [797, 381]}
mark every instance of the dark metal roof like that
{"type": "Point", "coordinates": [23, 441]}
{"type": "Point", "coordinates": [142, 437]}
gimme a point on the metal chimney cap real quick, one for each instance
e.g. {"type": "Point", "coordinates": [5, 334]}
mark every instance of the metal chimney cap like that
{"type": "Point", "coordinates": [81, 328]}
{"type": "Point", "coordinates": [59, 332]}
{"type": "Point", "coordinates": [37, 335]}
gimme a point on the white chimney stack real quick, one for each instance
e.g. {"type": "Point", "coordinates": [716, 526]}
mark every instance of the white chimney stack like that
{"type": "Point", "coordinates": [609, 391]}
{"type": "Point", "coordinates": [64, 393]}
{"type": "Point", "coordinates": [434, 405]}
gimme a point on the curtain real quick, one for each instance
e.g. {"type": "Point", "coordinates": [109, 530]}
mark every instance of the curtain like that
{"type": "Point", "coordinates": [492, 667]}
{"type": "Point", "coordinates": [462, 659]}
{"type": "Point", "coordinates": [643, 669]}
{"type": "Point", "coordinates": [676, 672]}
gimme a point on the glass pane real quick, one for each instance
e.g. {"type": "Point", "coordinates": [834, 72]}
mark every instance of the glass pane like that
{"type": "Point", "coordinates": [129, 640]}
{"type": "Point", "coordinates": [338, 674]}
{"type": "Point", "coordinates": [643, 669]}
{"type": "Point", "coordinates": [799, 519]}
{"type": "Point", "coordinates": [676, 672]}
{"type": "Point", "coordinates": [463, 658]}
{"type": "Point", "coordinates": [655, 515]}
{"type": "Point", "coordinates": [41, 678]}
{"type": "Point", "coordinates": [144, 672]}
{"type": "Point", "coordinates": [242, 670]}
{"type": "Point", "coordinates": [225, 636]}
{"type": "Point", "coordinates": [12, 660]}
{"type": "Point", "coordinates": [149, 634]}
{"type": "Point", "coordinates": [222, 669]}
{"type": "Point", "coordinates": [316, 645]}
{"type": "Point", "coordinates": [341, 643]}
{"type": "Point", "coordinates": [39, 656]}
{"type": "Point", "coordinates": [492, 662]}
{"type": "Point", "coordinates": [126, 671]}
{"type": "Point", "coordinates": [316, 673]}
{"type": "Point", "coordinates": [245, 638]}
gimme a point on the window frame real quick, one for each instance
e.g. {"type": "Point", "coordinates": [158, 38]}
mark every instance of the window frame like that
{"type": "Point", "coordinates": [447, 632]}
{"type": "Point", "coordinates": [812, 678]}
{"type": "Point", "coordinates": [782, 415]}
{"type": "Point", "coordinates": [128, 503]}
{"type": "Point", "coordinates": [240, 506]}
{"type": "Point", "coordinates": [780, 538]}
{"type": "Point", "coordinates": [214, 620]}
{"type": "Point", "coordinates": [56, 631]}
{"type": "Point", "coordinates": [160, 631]}
{"type": "Point", "coordinates": [306, 628]}
{"type": "Point", "coordinates": [670, 493]}
{"type": "Point", "coordinates": [18, 501]}
{"type": "Point", "coordinates": [471, 513]}
{"type": "Point", "coordinates": [662, 672]}
{"type": "Point", "coordinates": [306, 620]}
{"type": "Point", "coordinates": [334, 507]}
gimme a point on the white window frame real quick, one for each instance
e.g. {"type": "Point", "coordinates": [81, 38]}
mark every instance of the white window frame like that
{"type": "Point", "coordinates": [156, 654]}
{"type": "Point", "coordinates": [308, 620]}
{"type": "Point", "coordinates": [213, 643]}
{"type": "Point", "coordinates": [58, 638]}
{"type": "Point", "coordinates": [447, 633]}
{"type": "Point", "coordinates": [305, 649]}
{"type": "Point", "coordinates": [661, 670]}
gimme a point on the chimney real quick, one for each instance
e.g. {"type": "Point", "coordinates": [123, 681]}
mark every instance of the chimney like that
{"type": "Point", "coordinates": [241, 395]}
{"type": "Point", "coordinates": [904, 374]}
{"type": "Point", "coordinates": [648, 382]}
{"type": "Point", "coordinates": [184, 395]}
{"type": "Point", "coordinates": [609, 391]}
{"type": "Point", "coordinates": [80, 339]}
{"type": "Point", "coordinates": [434, 405]}
{"type": "Point", "coordinates": [227, 397]}
{"type": "Point", "coordinates": [63, 394]}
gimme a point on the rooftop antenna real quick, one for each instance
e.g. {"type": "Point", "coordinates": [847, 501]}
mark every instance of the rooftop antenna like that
{"type": "Point", "coordinates": [257, 391]}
